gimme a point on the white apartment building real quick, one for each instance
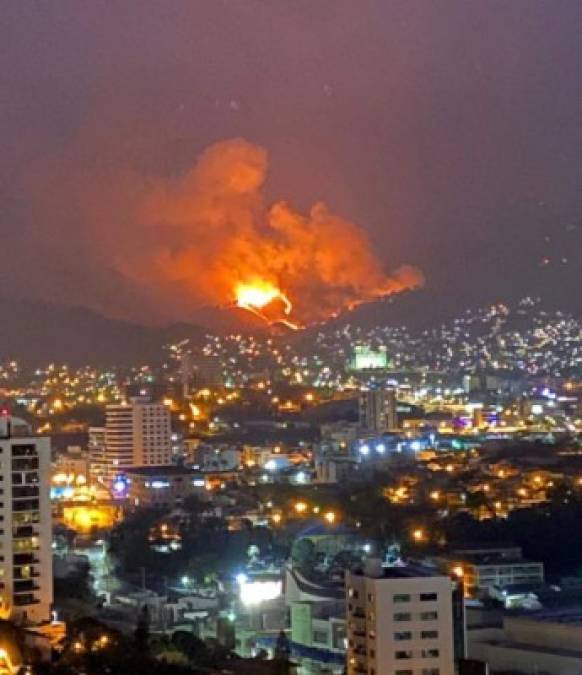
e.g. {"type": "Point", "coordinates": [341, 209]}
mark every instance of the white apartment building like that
{"type": "Point", "coordinates": [378, 411]}
{"type": "Point", "coordinates": [399, 621]}
{"type": "Point", "coordinates": [26, 578]}
{"type": "Point", "coordinates": [137, 433]}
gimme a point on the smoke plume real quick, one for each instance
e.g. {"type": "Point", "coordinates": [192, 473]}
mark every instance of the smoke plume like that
{"type": "Point", "coordinates": [210, 231]}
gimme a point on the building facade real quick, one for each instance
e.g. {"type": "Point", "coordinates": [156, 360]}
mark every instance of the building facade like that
{"type": "Point", "coordinates": [486, 568]}
{"type": "Point", "coordinates": [377, 412]}
{"type": "Point", "coordinates": [137, 433]}
{"type": "Point", "coordinates": [26, 579]}
{"type": "Point", "coordinates": [399, 622]}
{"type": "Point", "coordinates": [164, 486]}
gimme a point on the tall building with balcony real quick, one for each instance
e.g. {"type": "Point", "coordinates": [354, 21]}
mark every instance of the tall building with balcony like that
{"type": "Point", "coordinates": [378, 410]}
{"type": "Point", "coordinates": [399, 621]}
{"type": "Point", "coordinates": [26, 579]}
{"type": "Point", "coordinates": [137, 433]}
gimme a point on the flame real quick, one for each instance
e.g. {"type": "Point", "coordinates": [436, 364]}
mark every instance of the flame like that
{"type": "Point", "coordinates": [208, 236]}
{"type": "Point", "coordinates": [258, 294]}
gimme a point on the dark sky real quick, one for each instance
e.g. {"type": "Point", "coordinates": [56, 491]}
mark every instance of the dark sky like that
{"type": "Point", "coordinates": [452, 131]}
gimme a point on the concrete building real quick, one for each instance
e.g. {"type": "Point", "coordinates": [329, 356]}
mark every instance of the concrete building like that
{"type": "Point", "coordinates": [378, 410]}
{"type": "Point", "coordinates": [318, 623]}
{"type": "Point", "coordinates": [334, 469]}
{"type": "Point", "coordinates": [485, 568]}
{"type": "Point", "coordinates": [26, 579]}
{"type": "Point", "coordinates": [548, 642]}
{"type": "Point", "coordinates": [97, 457]}
{"type": "Point", "coordinates": [73, 462]}
{"type": "Point", "coordinates": [165, 486]}
{"type": "Point", "coordinates": [137, 433]}
{"type": "Point", "coordinates": [318, 636]}
{"type": "Point", "coordinates": [399, 621]}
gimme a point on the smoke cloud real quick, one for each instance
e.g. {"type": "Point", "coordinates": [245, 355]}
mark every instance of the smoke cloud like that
{"type": "Point", "coordinates": [210, 230]}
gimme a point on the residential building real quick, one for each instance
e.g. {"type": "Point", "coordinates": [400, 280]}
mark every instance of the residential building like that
{"type": "Point", "coordinates": [318, 636]}
{"type": "Point", "coordinates": [165, 486]}
{"type": "Point", "coordinates": [97, 454]}
{"type": "Point", "coordinates": [484, 568]}
{"type": "Point", "coordinates": [72, 463]}
{"type": "Point", "coordinates": [137, 433]}
{"type": "Point", "coordinates": [378, 411]}
{"type": "Point", "coordinates": [399, 621]}
{"type": "Point", "coordinates": [26, 579]}
{"type": "Point", "coordinates": [547, 642]}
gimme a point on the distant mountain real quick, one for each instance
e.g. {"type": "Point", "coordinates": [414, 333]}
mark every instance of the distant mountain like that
{"type": "Point", "coordinates": [39, 333]}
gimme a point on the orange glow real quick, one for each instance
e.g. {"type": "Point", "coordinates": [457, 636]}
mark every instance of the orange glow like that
{"type": "Point", "coordinates": [418, 535]}
{"type": "Point", "coordinates": [86, 518]}
{"type": "Point", "coordinates": [221, 243]}
{"type": "Point", "coordinates": [257, 295]}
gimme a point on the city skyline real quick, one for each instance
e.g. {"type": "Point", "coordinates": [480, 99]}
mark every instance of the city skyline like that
{"type": "Point", "coordinates": [291, 338]}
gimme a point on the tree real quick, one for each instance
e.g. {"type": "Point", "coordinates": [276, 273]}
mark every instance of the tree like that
{"type": "Point", "coordinates": [303, 553]}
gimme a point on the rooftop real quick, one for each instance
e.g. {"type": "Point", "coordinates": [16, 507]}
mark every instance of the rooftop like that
{"type": "Point", "coordinates": [162, 470]}
{"type": "Point", "coordinates": [408, 571]}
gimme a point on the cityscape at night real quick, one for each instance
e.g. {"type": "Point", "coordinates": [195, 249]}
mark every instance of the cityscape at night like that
{"type": "Point", "coordinates": [291, 338]}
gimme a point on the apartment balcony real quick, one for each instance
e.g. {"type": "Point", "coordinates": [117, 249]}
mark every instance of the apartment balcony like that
{"type": "Point", "coordinates": [24, 600]}
{"type": "Point", "coordinates": [24, 531]}
{"type": "Point", "coordinates": [19, 559]}
{"type": "Point", "coordinates": [25, 586]}
{"type": "Point", "coordinates": [23, 491]}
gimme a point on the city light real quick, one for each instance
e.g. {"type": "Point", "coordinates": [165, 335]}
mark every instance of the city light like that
{"type": "Point", "coordinates": [254, 593]}
{"type": "Point", "coordinates": [458, 571]}
{"type": "Point", "coordinates": [418, 535]}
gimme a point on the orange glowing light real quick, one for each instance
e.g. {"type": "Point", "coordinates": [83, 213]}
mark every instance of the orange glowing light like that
{"type": "Point", "coordinates": [255, 296]}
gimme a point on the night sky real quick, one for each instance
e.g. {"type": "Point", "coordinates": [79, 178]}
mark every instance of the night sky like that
{"type": "Point", "coordinates": [451, 131]}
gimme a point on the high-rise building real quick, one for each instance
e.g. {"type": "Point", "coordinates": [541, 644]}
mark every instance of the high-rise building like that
{"type": "Point", "coordinates": [399, 621]}
{"type": "Point", "coordinates": [97, 454]}
{"type": "Point", "coordinates": [137, 433]}
{"type": "Point", "coordinates": [26, 578]}
{"type": "Point", "coordinates": [378, 410]}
